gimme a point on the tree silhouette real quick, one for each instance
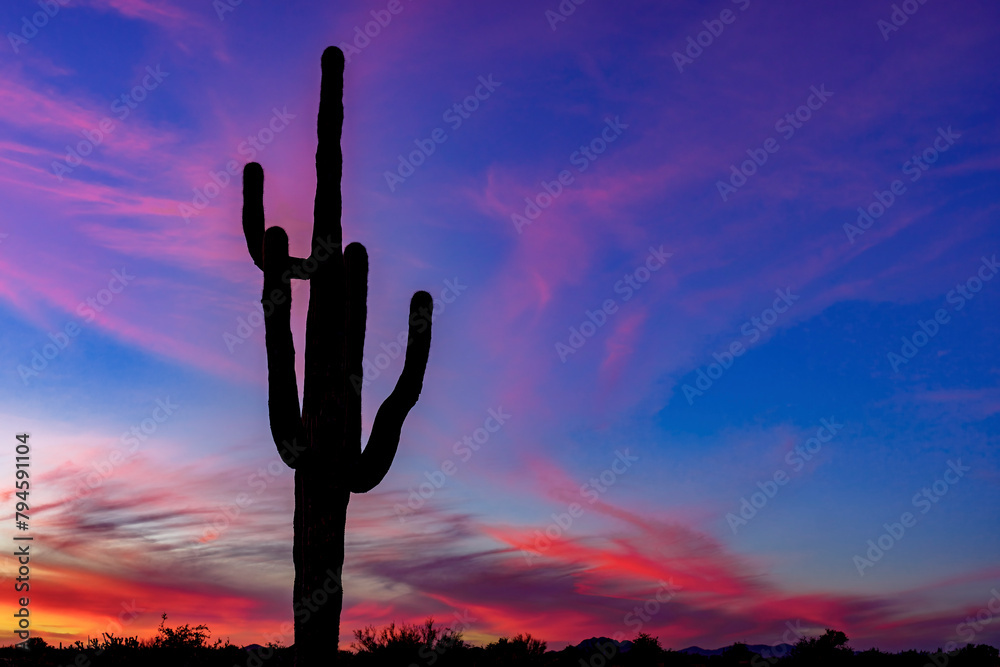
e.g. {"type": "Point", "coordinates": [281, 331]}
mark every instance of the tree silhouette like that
{"type": "Point", "coordinates": [737, 654]}
{"type": "Point", "coordinates": [645, 650]}
{"type": "Point", "coordinates": [322, 443]}
{"type": "Point", "coordinates": [828, 649]}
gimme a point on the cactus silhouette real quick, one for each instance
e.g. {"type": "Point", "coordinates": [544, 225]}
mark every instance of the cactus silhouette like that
{"type": "Point", "coordinates": [323, 442]}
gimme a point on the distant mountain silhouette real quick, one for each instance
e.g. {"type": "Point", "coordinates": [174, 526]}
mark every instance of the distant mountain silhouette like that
{"type": "Point", "coordinates": [594, 643]}
{"type": "Point", "coordinates": [777, 650]}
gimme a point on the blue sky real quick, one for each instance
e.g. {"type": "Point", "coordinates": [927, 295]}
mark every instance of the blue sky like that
{"type": "Point", "coordinates": [152, 199]}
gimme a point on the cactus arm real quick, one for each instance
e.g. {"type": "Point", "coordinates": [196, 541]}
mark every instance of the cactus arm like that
{"type": "Point", "coordinates": [356, 268]}
{"type": "Point", "coordinates": [282, 390]}
{"type": "Point", "coordinates": [253, 211]}
{"type": "Point", "coordinates": [253, 219]}
{"type": "Point", "coordinates": [384, 440]}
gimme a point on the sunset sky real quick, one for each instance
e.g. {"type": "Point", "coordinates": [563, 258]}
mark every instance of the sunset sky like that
{"type": "Point", "coordinates": [659, 309]}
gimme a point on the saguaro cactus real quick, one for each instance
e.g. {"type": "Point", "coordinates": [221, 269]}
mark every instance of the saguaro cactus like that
{"type": "Point", "coordinates": [323, 442]}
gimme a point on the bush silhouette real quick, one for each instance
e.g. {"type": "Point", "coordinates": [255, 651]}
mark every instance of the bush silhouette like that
{"type": "Point", "coordinates": [406, 644]}
{"type": "Point", "coordinates": [522, 649]}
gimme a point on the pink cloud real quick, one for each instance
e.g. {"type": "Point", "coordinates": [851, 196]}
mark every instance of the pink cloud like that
{"type": "Point", "coordinates": [160, 13]}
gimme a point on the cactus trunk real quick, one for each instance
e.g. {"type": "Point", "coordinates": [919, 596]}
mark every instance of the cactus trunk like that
{"type": "Point", "coordinates": [323, 441]}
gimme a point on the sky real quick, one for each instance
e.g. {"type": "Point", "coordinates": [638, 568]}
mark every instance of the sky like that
{"type": "Point", "coordinates": [713, 353]}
